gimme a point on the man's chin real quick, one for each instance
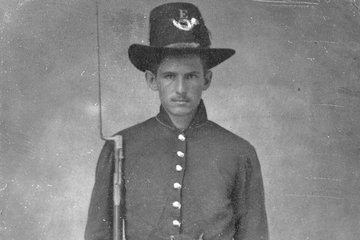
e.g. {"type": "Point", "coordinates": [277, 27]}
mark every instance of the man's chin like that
{"type": "Point", "coordinates": [181, 111]}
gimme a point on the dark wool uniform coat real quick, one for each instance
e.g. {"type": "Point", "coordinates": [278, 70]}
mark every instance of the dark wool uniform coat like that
{"type": "Point", "coordinates": [203, 181]}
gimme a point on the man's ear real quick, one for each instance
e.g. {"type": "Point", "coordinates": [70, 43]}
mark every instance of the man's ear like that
{"type": "Point", "coordinates": [151, 80]}
{"type": "Point", "coordinates": [208, 78]}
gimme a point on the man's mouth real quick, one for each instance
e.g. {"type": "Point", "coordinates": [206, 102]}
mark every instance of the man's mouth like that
{"type": "Point", "coordinates": [180, 100]}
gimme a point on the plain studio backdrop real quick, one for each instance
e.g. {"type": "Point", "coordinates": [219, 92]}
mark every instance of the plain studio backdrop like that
{"type": "Point", "coordinates": [292, 90]}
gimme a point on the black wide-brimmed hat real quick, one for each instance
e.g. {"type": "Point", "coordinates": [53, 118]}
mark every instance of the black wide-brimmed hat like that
{"type": "Point", "coordinates": [176, 28]}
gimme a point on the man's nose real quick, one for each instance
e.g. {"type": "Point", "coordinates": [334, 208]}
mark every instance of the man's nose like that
{"type": "Point", "coordinates": [180, 85]}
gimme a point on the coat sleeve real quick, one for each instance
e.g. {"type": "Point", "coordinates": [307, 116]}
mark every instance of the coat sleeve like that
{"type": "Point", "coordinates": [251, 223]}
{"type": "Point", "coordinates": [99, 222]}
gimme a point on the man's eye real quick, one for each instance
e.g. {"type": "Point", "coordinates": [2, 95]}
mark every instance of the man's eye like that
{"type": "Point", "coordinates": [192, 75]}
{"type": "Point", "coordinates": [169, 76]}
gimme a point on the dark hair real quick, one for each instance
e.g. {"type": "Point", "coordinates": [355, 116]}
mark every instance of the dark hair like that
{"type": "Point", "coordinates": [155, 66]}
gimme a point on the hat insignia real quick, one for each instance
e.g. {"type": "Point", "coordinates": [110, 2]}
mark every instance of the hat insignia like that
{"type": "Point", "coordinates": [185, 24]}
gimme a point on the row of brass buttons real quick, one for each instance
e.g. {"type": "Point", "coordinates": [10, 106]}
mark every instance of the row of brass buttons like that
{"type": "Point", "coordinates": [177, 185]}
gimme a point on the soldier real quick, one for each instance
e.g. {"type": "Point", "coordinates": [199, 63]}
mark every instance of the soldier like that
{"type": "Point", "coordinates": [185, 176]}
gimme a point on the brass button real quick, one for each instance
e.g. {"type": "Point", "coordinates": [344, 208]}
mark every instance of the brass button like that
{"type": "Point", "coordinates": [181, 137]}
{"type": "Point", "coordinates": [176, 204]}
{"type": "Point", "coordinates": [180, 154]}
{"type": "Point", "coordinates": [179, 168]}
{"type": "Point", "coordinates": [176, 223]}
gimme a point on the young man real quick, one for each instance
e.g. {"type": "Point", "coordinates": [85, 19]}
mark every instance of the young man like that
{"type": "Point", "coordinates": [185, 176]}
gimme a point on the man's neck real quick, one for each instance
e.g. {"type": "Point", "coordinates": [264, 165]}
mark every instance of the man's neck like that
{"type": "Point", "coordinates": [182, 122]}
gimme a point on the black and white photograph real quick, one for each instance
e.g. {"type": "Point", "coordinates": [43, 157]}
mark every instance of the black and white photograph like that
{"type": "Point", "coordinates": [180, 120]}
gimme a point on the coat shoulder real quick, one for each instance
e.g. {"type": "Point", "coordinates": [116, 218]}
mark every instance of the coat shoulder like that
{"type": "Point", "coordinates": [140, 128]}
{"type": "Point", "coordinates": [229, 137]}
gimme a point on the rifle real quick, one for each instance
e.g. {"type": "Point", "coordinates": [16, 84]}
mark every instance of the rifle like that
{"type": "Point", "coordinates": [118, 181]}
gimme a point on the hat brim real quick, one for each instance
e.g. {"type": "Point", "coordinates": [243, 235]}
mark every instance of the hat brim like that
{"type": "Point", "coordinates": [143, 57]}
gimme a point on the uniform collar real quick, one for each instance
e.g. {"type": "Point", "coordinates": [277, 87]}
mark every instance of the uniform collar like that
{"type": "Point", "coordinates": [199, 119]}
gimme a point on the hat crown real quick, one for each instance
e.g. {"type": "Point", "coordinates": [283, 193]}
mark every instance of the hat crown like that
{"type": "Point", "coordinates": [178, 23]}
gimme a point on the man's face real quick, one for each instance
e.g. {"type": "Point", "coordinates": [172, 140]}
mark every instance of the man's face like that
{"type": "Point", "coordinates": [180, 81]}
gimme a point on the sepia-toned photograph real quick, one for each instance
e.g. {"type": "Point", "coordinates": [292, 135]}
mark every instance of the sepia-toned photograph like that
{"type": "Point", "coordinates": [180, 120]}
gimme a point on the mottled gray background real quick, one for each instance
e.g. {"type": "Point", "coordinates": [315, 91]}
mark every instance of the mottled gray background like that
{"type": "Point", "coordinates": [292, 90]}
